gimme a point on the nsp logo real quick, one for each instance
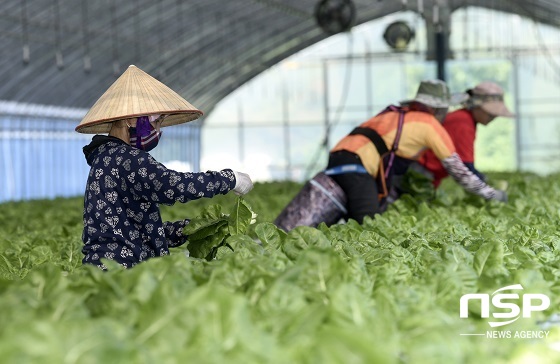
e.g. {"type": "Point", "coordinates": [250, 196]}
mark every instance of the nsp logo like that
{"type": "Point", "coordinates": [532, 302]}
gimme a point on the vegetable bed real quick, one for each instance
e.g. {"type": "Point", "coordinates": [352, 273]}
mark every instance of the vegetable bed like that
{"type": "Point", "coordinates": [387, 291]}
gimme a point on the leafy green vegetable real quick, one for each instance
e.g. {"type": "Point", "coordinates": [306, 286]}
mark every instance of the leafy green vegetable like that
{"type": "Point", "coordinates": [385, 291]}
{"type": "Point", "coordinates": [209, 231]}
{"type": "Point", "coordinates": [417, 185]}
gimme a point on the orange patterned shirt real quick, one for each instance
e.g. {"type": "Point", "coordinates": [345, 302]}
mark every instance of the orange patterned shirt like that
{"type": "Point", "coordinates": [420, 131]}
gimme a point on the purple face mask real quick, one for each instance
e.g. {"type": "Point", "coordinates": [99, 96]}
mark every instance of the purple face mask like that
{"type": "Point", "coordinates": [144, 136]}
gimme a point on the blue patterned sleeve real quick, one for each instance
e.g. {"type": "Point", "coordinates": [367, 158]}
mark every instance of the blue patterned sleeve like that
{"type": "Point", "coordinates": [174, 232]}
{"type": "Point", "coordinates": [156, 183]}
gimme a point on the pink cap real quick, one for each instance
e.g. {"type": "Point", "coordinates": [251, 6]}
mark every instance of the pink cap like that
{"type": "Point", "coordinates": [490, 97]}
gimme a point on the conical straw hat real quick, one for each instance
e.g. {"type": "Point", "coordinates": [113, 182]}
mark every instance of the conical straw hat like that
{"type": "Point", "coordinates": [135, 93]}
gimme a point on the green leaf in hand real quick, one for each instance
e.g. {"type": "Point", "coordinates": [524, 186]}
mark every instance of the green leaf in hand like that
{"type": "Point", "coordinates": [209, 231]}
{"type": "Point", "coordinates": [240, 218]}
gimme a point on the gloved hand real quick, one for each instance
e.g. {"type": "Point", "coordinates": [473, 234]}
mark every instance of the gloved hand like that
{"type": "Point", "coordinates": [243, 183]}
{"type": "Point", "coordinates": [500, 196]}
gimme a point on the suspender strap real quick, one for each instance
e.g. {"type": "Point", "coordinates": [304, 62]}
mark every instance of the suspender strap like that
{"type": "Point", "coordinates": [399, 132]}
{"type": "Point", "coordinates": [374, 137]}
{"type": "Point", "coordinates": [346, 168]}
{"type": "Point", "coordinates": [395, 143]}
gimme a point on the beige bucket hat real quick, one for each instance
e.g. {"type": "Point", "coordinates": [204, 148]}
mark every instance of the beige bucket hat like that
{"type": "Point", "coordinates": [433, 93]}
{"type": "Point", "coordinates": [490, 98]}
{"type": "Point", "coordinates": [135, 93]}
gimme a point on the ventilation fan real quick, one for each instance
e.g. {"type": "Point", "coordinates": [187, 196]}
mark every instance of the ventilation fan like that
{"type": "Point", "coordinates": [398, 35]}
{"type": "Point", "coordinates": [335, 16]}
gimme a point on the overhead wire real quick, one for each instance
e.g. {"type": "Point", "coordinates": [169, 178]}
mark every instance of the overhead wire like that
{"type": "Point", "coordinates": [323, 146]}
{"type": "Point", "coordinates": [114, 39]}
{"type": "Point", "coordinates": [25, 32]}
{"type": "Point", "coordinates": [546, 51]}
{"type": "Point", "coordinates": [85, 36]}
{"type": "Point", "coordinates": [57, 35]}
{"type": "Point", "coordinates": [522, 10]}
{"type": "Point", "coordinates": [287, 9]}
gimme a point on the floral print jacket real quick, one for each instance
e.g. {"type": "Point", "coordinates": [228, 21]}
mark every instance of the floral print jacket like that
{"type": "Point", "coordinates": [125, 186]}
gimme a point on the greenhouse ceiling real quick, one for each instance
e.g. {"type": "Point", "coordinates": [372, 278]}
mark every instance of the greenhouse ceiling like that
{"type": "Point", "coordinates": [68, 52]}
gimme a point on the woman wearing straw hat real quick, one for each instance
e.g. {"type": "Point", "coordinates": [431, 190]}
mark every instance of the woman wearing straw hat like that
{"type": "Point", "coordinates": [484, 103]}
{"type": "Point", "coordinates": [359, 174]}
{"type": "Point", "coordinates": [126, 184]}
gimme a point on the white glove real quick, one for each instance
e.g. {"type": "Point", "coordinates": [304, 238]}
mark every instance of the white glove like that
{"type": "Point", "coordinates": [243, 183]}
{"type": "Point", "coordinates": [501, 196]}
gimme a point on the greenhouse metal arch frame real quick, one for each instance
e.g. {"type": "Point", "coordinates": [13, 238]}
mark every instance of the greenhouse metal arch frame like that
{"type": "Point", "coordinates": [66, 53]}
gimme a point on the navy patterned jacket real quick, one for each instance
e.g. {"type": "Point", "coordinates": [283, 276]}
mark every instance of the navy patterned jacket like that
{"type": "Point", "coordinates": [125, 186]}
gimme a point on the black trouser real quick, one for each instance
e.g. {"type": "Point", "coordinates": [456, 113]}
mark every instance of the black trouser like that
{"type": "Point", "coordinates": [360, 188]}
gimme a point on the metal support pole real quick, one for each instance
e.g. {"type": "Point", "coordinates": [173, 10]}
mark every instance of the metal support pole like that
{"type": "Point", "coordinates": [286, 122]}
{"type": "Point", "coordinates": [241, 134]}
{"type": "Point", "coordinates": [438, 30]}
{"type": "Point", "coordinates": [440, 53]}
{"type": "Point", "coordinates": [517, 113]}
{"type": "Point", "coordinates": [369, 86]}
{"type": "Point", "coordinates": [326, 105]}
